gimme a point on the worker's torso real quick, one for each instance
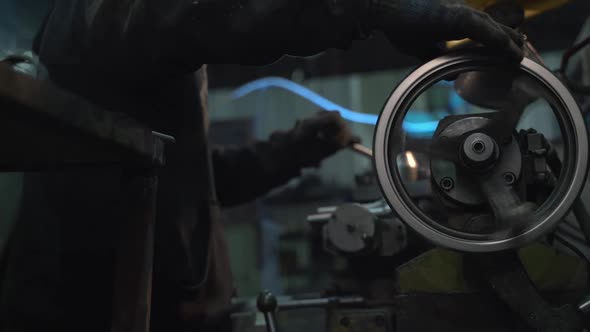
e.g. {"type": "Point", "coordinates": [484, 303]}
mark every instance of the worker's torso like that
{"type": "Point", "coordinates": [173, 104]}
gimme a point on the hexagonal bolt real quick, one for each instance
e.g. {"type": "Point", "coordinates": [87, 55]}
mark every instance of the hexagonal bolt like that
{"type": "Point", "coordinates": [447, 183]}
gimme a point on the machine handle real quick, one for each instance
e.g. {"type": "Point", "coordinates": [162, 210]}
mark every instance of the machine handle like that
{"type": "Point", "coordinates": [267, 305]}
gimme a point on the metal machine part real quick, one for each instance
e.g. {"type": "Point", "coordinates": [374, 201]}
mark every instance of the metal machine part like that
{"type": "Point", "coordinates": [358, 230]}
{"type": "Point", "coordinates": [480, 151]}
{"type": "Point", "coordinates": [351, 230]}
{"type": "Point", "coordinates": [486, 157]}
{"type": "Point", "coordinates": [323, 215]}
{"type": "Point", "coordinates": [353, 320]}
{"type": "Point", "coordinates": [507, 277]}
{"type": "Point", "coordinates": [344, 313]}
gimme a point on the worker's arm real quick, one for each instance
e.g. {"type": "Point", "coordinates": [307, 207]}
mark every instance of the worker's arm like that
{"type": "Point", "coordinates": [186, 33]}
{"type": "Point", "coordinates": [243, 173]}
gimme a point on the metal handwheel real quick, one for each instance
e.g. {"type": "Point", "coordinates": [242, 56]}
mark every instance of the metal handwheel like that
{"type": "Point", "coordinates": [500, 176]}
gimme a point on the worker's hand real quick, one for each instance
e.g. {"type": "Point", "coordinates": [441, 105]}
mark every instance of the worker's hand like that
{"type": "Point", "coordinates": [321, 136]}
{"type": "Point", "coordinates": [420, 27]}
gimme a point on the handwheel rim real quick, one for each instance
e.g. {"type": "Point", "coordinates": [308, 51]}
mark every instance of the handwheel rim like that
{"type": "Point", "coordinates": [422, 78]}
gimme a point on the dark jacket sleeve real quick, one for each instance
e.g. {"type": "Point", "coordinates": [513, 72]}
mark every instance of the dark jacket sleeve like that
{"type": "Point", "coordinates": [260, 31]}
{"type": "Point", "coordinates": [243, 173]}
{"type": "Point", "coordinates": [168, 35]}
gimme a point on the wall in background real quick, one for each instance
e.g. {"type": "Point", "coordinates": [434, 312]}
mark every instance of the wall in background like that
{"type": "Point", "coordinates": [19, 22]}
{"type": "Point", "coordinates": [8, 24]}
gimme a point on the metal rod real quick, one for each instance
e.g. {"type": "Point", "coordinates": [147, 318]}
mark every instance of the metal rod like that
{"type": "Point", "coordinates": [320, 217]}
{"type": "Point", "coordinates": [323, 302]}
{"type": "Point", "coordinates": [271, 322]}
{"type": "Point", "coordinates": [584, 305]}
{"type": "Point", "coordinates": [361, 149]}
{"type": "Point", "coordinates": [327, 209]}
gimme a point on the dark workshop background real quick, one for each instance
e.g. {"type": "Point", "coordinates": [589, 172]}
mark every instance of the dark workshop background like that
{"type": "Point", "coordinates": [269, 239]}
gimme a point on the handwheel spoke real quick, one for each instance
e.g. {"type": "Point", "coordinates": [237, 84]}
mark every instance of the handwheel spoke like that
{"type": "Point", "coordinates": [510, 212]}
{"type": "Point", "coordinates": [440, 148]}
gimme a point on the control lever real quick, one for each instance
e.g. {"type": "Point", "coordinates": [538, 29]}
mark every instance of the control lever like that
{"type": "Point", "coordinates": [267, 305]}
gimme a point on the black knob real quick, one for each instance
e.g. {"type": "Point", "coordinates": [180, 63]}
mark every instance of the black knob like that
{"type": "Point", "coordinates": [266, 302]}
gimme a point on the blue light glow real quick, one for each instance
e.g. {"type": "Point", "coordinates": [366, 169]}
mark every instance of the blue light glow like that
{"type": "Point", "coordinates": [322, 102]}
{"type": "Point", "coordinates": [420, 127]}
{"type": "Point", "coordinates": [457, 104]}
{"type": "Point", "coordinates": [421, 124]}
